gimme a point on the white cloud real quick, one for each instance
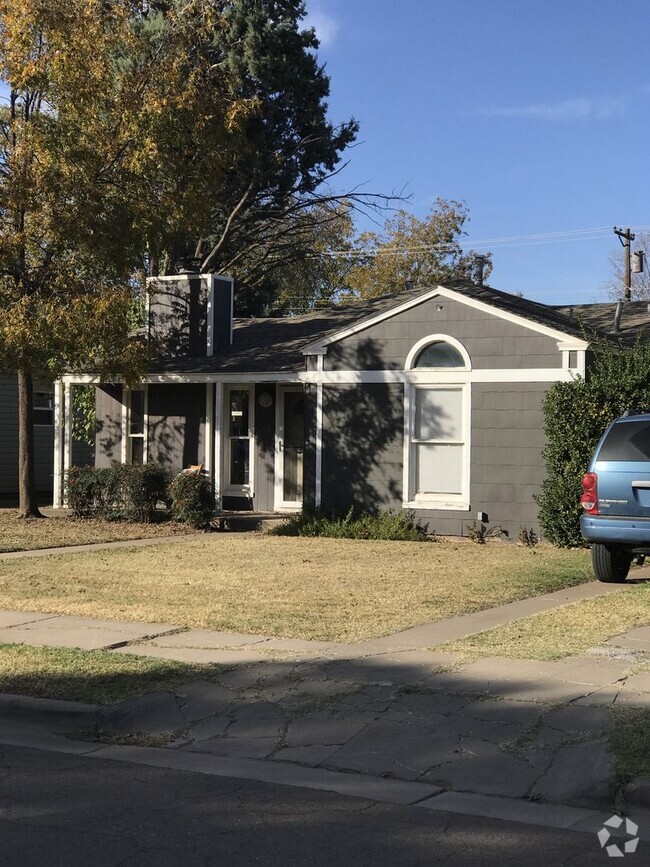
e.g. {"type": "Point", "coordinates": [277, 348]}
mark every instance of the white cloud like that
{"type": "Point", "coordinates": [325, 26]}
{"type": "Point", "coordinates": [580, 108]}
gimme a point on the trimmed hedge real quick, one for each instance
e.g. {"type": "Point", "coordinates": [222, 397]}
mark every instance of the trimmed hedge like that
{"type": "Point", "coordinates": [389, 525]}
{"type": "Point", "coordinates": [121, 492]}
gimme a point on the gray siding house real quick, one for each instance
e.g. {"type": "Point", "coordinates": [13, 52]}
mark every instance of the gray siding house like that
{"type": "Point", "coordinates": [429, 400]}
{"type": "Point", "coordinates": [43, 437]}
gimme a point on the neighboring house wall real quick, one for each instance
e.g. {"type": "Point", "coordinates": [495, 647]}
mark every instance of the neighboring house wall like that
{"type": "Point", "coordinates": [43, 443]}
{"type": "Point", "coordinates": [491, 341]}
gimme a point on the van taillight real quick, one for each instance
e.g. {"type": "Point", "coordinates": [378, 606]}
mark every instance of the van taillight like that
{"type": "Point", "coordinates": [589, 498]}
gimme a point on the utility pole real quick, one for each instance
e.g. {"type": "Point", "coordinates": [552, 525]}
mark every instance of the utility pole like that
{"type": "Point", "coordinates": [626, 237]}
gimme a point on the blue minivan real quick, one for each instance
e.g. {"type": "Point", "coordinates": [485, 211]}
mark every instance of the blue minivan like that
{"type": "Point", "coordinates": [616, 498]}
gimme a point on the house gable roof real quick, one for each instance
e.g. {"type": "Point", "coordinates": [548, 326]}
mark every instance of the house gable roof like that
{"type": "Point", "coordinates": [280, 344]}
{"type": "Point", "coordinates": [529, 314]}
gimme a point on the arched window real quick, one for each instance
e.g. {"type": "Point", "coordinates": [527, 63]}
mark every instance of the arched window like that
{"type": "Point", "coordinates": [436, 454]}
{"type": "Point", "coordinates": [439, 354]}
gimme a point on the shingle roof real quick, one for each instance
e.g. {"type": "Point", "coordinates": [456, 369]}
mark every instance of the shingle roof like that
{"type": "Point", "coordinates": [276, 344]}
{"type": "Point", "coordinates": [599, 319]}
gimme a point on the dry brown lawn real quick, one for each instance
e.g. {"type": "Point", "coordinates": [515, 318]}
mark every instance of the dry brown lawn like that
{"type": "Point", "coordinates": [59, 532]}
{"type": "Point", "coordinates": [566, 631]}
{"type": "Point", "coordinates": [312, 588]}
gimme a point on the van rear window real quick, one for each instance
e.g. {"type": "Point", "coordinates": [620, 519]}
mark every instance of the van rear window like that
{"type": "Point", "coordinates": [627, 441]}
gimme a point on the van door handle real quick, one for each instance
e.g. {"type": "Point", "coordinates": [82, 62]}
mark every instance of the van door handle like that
{"type": "Point", "coordinates": [641, 483]}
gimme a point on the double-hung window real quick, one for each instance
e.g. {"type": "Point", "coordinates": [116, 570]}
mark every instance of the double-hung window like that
{"type": "Point", "coordinates": [136, 427]}
{"type": "Point", "coordinates": [436, 450]}
{"type": "Point", "coordinates": [43, 411]}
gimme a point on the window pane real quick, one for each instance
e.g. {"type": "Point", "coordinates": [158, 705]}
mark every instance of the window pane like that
{"type": "Point", "coordinates": [137, 451]}
{"type": "Point", "coordinates": [239, 413]}
{"type": "Point", "coordinates": [239, 462]}
{"type": "Point", "coordinates": [43, 412]}
{"type": "Point", "coordinates": [627, 441]}
{"type": "Point", "coordinates": [137, 412]}
{"type": "Point", "coordinates": [439, 414]}
{"type": "Point", "coordinates": [439, 469]}
{"type": "Point", "coordinates": [439, 355]}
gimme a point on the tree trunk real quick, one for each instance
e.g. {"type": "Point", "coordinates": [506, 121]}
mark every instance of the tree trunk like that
{"type": "Point", "coordinates": [28, 507]}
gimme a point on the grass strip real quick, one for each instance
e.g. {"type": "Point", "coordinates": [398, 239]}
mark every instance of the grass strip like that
{"type": "Point", "coordinates": [92, 677]}
{"type": "Point", "coordinates": [566, 631]}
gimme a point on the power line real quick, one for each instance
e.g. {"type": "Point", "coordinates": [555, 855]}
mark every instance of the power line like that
{"type": "Point", "coordinates": [594, 234]}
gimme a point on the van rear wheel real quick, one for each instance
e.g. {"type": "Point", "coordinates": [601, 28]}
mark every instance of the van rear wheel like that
{"type": "Point", "coordinates": [611, 564]}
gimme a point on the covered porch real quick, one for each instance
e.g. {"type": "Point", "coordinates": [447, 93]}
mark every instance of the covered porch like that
{"type": "Point", "coordinates": [249, 433]}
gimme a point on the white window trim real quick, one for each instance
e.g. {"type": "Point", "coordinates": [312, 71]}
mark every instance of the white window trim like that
{"type": "Point", "coordinates": [449, 502]}
{"type": "Point", "coordinates": [127, 436]}
{"type": "Point", "coordinates": [412, 357]}
{"type": "Point", "coordinates": [436, 378]}
{"type": "Point", "coordinates": [239, 490]}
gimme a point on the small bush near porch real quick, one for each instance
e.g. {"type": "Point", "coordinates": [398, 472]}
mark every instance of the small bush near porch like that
{"type": "Point", "coordinates": [328, 589]}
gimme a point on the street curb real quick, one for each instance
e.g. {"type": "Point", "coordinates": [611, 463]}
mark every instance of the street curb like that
{"type": "Point", "coordinates": [50, 710]}
{"type": "Point", "coordinates": [421, 795]}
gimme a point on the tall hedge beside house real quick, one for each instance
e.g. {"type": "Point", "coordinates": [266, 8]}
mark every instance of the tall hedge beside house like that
{"type": "Point", "coordinates": [575, 417]}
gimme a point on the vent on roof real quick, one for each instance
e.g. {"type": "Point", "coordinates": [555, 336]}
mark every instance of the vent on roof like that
{"type": "Point", "coordinates": [617, 316]}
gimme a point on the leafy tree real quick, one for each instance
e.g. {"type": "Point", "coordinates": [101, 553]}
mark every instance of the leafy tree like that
{"type": "Point", "coordinates": [105, 101]}
{"type": "Point", "coordinates": [409, 250]}
{"type": "Point", "coordinates": [576, 415]}
{"type": "Point", "coordinates": [151, 133]}
{"type": "Point", "coordinates": [310, 277]}
{"type": "Point", "coordinates": [275, 205]}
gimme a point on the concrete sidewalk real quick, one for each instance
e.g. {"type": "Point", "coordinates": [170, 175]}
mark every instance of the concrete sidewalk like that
{"type": "Point", "coordinates": [319, 713]}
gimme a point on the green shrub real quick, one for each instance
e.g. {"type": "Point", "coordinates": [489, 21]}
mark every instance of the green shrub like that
{"type": "Point", "coordinates": [81, 490]}
{"type": "Point", "coordinates": [121, 492]}
{"type": "Point", "coordinates": [575, 417]}
{"type": "Point", "coordinates": [389, 525]}
{"type": "Point", "coordinates": [192, 500]}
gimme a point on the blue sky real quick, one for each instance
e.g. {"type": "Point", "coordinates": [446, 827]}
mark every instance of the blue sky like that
{"type": "Point", "coordinates": [537, 114]}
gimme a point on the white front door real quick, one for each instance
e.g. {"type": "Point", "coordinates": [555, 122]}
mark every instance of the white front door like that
{"type": "Point", "coordinates": [289, 448]}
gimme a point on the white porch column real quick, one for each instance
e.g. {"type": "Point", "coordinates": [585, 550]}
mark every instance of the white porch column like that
{"type": "Point", "coordinates": [319, 435]}
{"type": "Point", "coordinates": [319, 445]}
{"type": "Point", "coordinates": [67, 432]}
{"type": "Point", "coordinates": [209, 430]}
{"type": "Point", "coordinates": [218, 442]}
{"type": "Point", "coordinates": [57, 499]}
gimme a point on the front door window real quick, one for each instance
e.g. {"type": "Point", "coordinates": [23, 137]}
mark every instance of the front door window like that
{"type": "Point", "coordinates": [293, 446]}
{"type": "Point", "coordinates": [239, 438]}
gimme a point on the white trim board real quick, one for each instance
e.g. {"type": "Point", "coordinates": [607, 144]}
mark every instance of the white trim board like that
{"type": "Point", "coordinates": [318, 347]}
{"type": "Point", "coordinates": [333, 377]}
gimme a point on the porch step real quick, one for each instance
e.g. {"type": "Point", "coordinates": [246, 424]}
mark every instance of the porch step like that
{"type": "Point", "coordinates": [241, 522]}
